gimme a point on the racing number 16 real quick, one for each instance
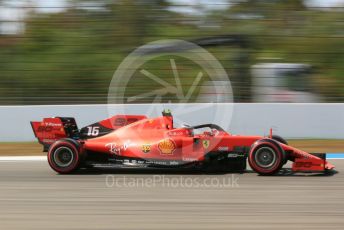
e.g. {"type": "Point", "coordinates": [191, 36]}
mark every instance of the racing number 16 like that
{"type": "Point", "coordinates": [92, 131]}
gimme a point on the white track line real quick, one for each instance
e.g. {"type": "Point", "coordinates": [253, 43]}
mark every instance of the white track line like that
{"type": "Point", "coordinates": [22, 158]}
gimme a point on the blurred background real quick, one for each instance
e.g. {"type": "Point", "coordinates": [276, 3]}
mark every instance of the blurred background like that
{"type": "Point", "coordinates": [66, 51]}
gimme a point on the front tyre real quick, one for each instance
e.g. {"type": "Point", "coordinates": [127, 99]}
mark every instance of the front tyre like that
{"type": "Point", "coordinates": [279, 139]}
{"type": "Point", "coordinates": [266, 158]}
{"type": "Point", "coordinates": [64, 156]}
{"type": "Point", "coordinates": [283, 141]}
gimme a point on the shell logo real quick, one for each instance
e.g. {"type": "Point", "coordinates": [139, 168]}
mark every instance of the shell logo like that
{"type": "Point", "coordinates": [166, 147]}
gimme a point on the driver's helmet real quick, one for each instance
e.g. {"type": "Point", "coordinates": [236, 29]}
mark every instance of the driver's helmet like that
{"type": "Point", "coordinates": [167, 112]}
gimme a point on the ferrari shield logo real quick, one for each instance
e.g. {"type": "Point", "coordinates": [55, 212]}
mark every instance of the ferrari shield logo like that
{"type": "Point", "coordinates": [206, 143]}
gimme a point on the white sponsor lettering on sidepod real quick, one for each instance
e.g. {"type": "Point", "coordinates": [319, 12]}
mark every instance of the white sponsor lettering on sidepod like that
{"type": "Point", "coordinates": [223, 148]}
{"type": "Point", "coordinates": [189, 159]}
{"type": "Point", "coordinates": [114, 148]}
{"type": "Point", "coordinates": [117, 149]}
{"type": "Point", "coordinates": [128, 144]}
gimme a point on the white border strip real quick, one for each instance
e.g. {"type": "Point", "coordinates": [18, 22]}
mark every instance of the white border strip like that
{"type": "Point", "coordinates": [22, 158]}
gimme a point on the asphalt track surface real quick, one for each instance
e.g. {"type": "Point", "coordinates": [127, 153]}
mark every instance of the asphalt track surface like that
{"type": "Point", "coordinates": [32, 196]}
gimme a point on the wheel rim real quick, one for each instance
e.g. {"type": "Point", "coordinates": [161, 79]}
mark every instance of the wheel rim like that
{"type": "Point", "coordinates": [265, 157]}
{"type": "Point", "coordinates": [63, 157]}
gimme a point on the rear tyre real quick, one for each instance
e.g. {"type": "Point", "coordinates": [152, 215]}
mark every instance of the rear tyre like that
{"type": "Point", "coordinates": [266, 158]}
{"type": "Point", "coordinates": [64, 156]}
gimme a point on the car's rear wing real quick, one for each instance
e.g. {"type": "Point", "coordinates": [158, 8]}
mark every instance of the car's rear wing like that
{"type": "Point", "coordinates": [52, 129]}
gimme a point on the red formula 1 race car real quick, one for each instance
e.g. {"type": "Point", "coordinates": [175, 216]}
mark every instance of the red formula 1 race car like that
{"type": "Point", "coordinates": [137, 141]}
